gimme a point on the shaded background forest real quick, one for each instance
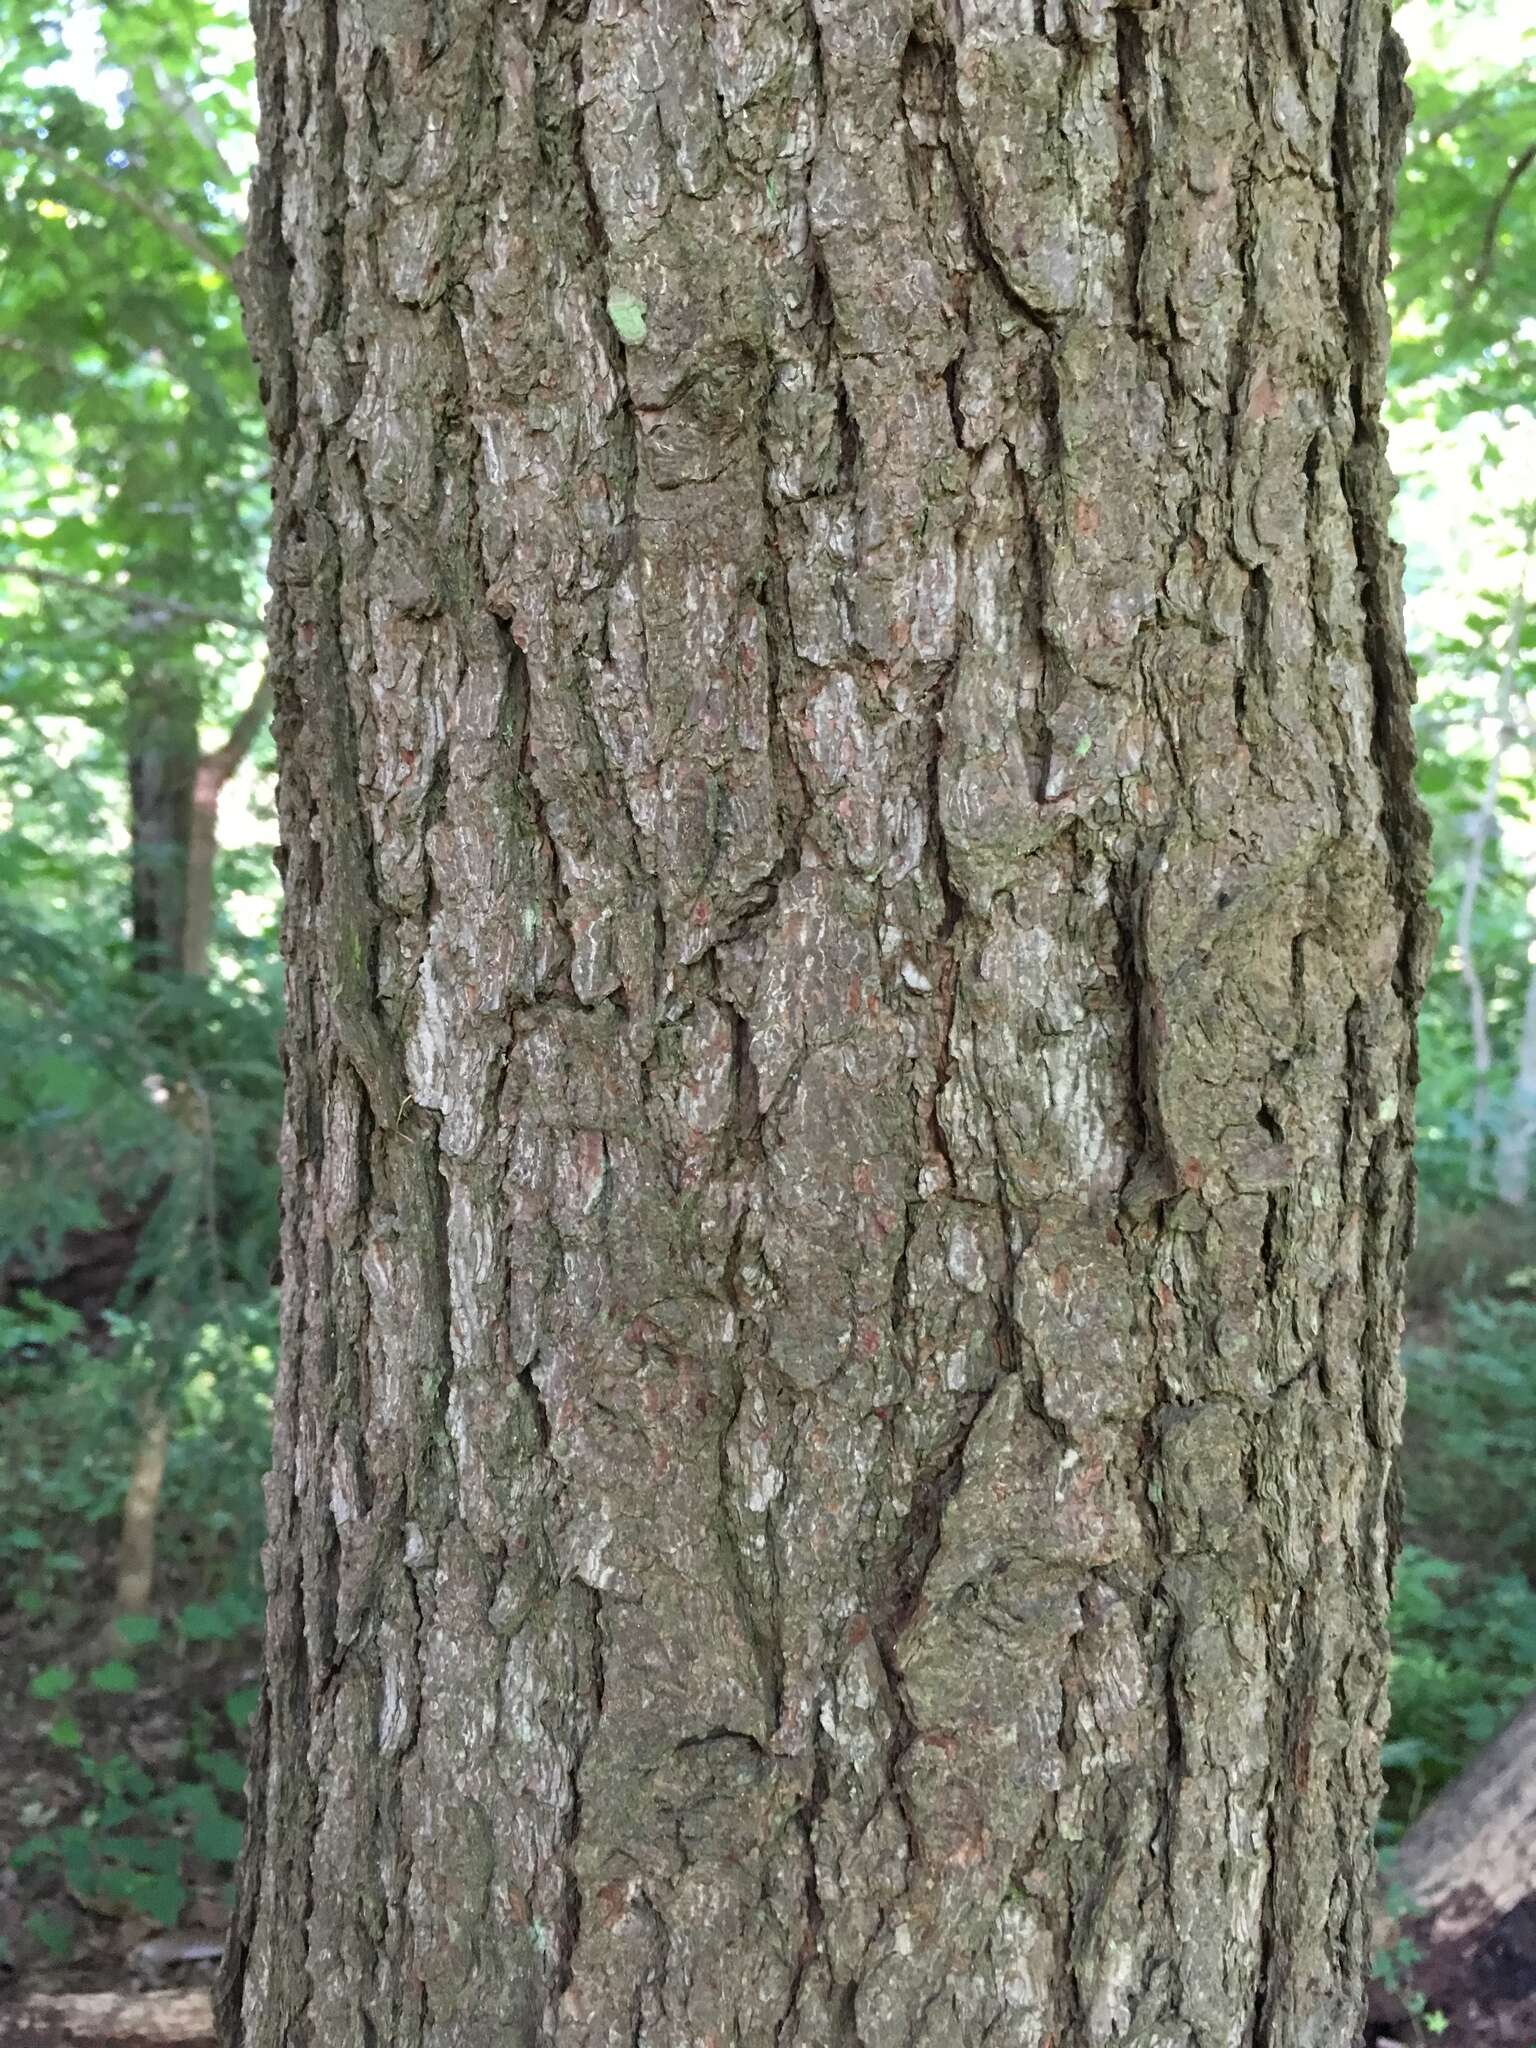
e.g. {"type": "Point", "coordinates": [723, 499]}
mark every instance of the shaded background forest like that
{"type": "Point", "coordinates": [139, 1088]}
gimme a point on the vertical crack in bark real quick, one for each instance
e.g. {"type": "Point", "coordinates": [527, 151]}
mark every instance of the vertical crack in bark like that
{"type": "Point", "coordinates": [1367, 193]}
{"type": "Point", "coordinates": [567, 1930]}
{"type": "Point", "coordinates": [1135, 101]}
{"type": "Point", "coordinates": [806, 1817]}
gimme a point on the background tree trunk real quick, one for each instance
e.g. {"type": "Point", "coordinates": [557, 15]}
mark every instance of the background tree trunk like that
{"type": "Point", "coordinates": [214, 770]}
{"type": "Point", "coordinates": [854, 912]}
{"type": "Point", "coordinates": [174, 802]}
{"type": "Point", "coordinates": [162, 747]}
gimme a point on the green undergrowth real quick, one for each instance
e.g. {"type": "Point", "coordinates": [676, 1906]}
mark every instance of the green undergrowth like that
{"type": "Point", "coordinates": [1464, 1617]}
{"type": "Point", "coordinates": [122, 1746]}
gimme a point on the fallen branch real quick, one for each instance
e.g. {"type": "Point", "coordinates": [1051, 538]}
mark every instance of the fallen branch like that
{"type": "Point", "coordinates": [108, 2019]}
{"type": "Point", "coordinates": [1466, 1870]}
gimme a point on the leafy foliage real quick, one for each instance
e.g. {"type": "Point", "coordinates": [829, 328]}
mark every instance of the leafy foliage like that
{"type": "Point", "coordinates": [1464, 1619]}
{"type": "Point", "coordinates": [72, 1412]}
{"type": "Point", "coordinates": [125, 370]}
{"type": "Point", "coordinates": [1467, 214]}
{"type": "Point", "coordinates": [1465, 434]}
{"type": "Point", "coordinates": [139, 1807]}
{"type": "Point", "coordinates": [1470, 1452]}
{"type": "Point", "coordinates": [115, 1103]}
{"type": "Point", "coordinates": [1465, 1661]}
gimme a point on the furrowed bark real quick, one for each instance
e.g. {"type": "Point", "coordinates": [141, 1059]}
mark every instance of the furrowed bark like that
{"type": "Point", "coordinates": [855, 906]}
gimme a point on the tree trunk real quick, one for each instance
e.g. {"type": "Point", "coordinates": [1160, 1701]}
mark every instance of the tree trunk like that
{"type": "Point", "coordinates": [1466, 1870]}
{"type": "Point", "coordinates": [1517, 1134]}
{"type": "Point", "coordinates": [141, 1508]}
{"type": "Point", "coordinates": [174, 796]}
{"type": "Point", "coordinates": [854, 911]}
{"type": "Point", "coordinates": [162, 774]}
{"type": "Point", "coordinates": [174, 792]}
{"type": "Point", "coordinates": [214, 770]}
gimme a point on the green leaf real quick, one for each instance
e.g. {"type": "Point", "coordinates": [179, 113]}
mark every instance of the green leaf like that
{"type": "Point", "coordinates": [145, 1852]}
{"type": "Point", "coordinates": [226, 1771]}
{"type": "Point", "coordinates": [66, 1732]}
{"type": "Point", "coordinates": [160, 1896]}
{"type": "Point", "coordinates": [203, 1624]}
{"type": "Point", "coordinates": [137, 1629]}
{"type": "Point", "coordinates": [218, 1837]}
{"type": "Point", "coordinates": [241, 1704]}
{"type": "Point", "coordinates": [115, 1676]}
{"type": "Point", "coordinates": [50, 1932]}
{"type": "Point", "coordinates": [52, 1682]}
{"type": "Point", "coordinates": [198, 1800]}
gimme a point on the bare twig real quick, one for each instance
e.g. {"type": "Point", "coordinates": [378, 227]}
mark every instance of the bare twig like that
{"type": "Point", "coordinates": [180, 104]}
{"type": "Point", "coordinates": [1479, 277]}
{"type": "Point", "coordinates": [242, 734]}
{"type": "Point", "coordinates": [132, 594]}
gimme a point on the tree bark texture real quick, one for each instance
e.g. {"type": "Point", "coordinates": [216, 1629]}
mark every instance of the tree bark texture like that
{"type": "Point", "coordinates": [854, 914]}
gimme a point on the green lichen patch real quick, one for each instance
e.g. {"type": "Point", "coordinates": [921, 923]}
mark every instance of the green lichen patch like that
{"type": "Point", "coordinates": [628, 315]}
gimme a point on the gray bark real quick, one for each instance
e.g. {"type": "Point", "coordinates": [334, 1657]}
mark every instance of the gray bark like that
{"type": "Point", "coordinates": [855, 906]}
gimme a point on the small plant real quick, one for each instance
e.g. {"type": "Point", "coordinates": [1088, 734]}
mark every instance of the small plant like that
{"type": "Point", "coordinates": [134, 1840]}
{"type": "Point", "coordinates": [72, 1431]}
{"type": "Point", "coordinates": [137, 1732]}
{"type": "Point", "coordinates": [1392, 1967]}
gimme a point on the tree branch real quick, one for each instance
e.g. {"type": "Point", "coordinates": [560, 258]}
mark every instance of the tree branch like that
{"type": "Point", "coordinates": [242, 734]}
{"type": "Point", "coordinates": [131, 594]}
{"type": "Point", "coordinates": [1459, 113]}
{"type": "Point", "coordinates": [213, 771]}
{"type": "Point", "coordinates": [183, 108]}
{"type": "Point", "coordinates": [1479, 277]}
{"type": "Point", "coordinates": [151, 209]}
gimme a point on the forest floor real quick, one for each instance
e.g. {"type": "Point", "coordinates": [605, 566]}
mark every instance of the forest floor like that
{"type": "Point", "coordinates": [122, 1745]}
{"type": "Point", "coordinates": [120, 1768]}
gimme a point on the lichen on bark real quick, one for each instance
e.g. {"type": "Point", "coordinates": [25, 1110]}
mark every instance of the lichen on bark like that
{"type": "Point", "coordinates": [855, 907]}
